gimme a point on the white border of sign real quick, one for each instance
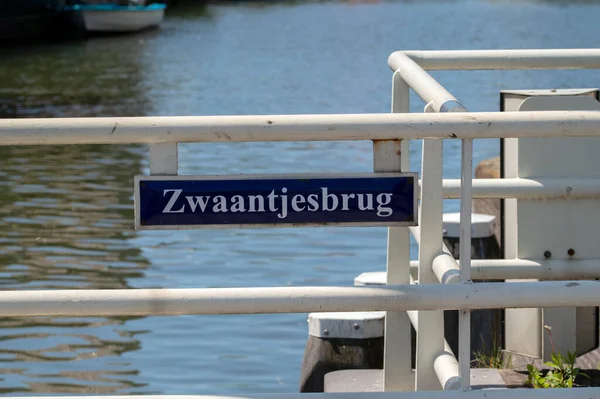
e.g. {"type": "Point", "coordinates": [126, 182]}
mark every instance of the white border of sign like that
{"type": "Point", "coordinates": [139, 227]}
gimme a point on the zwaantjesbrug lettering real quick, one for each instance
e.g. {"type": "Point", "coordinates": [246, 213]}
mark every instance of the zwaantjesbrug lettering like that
{"type": "Point", "coordinates": [277, 201]}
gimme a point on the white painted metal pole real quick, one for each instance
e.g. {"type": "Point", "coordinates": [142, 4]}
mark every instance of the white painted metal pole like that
{"type": "Point", "coordinates": [526, 188]}
{"type": "Point", "coordinates": [464, 319]}
{"type": "Point", "coordinates": [424, 85]}
{"type": "Point", "coordinates": [445, 364]}
{"type": "Point", "coordinates": [413, 315]}
{"type": "Point", "coordinates": [503, 59]}
{"type": "Point", "coordinates": [520, 269]}
{"type": "Point", "coordinates": [259, 128]}
{"type": "Point", "coordinates": [465, 209]}
{"type": "Point", "coordinates": [444, 265]}
{"type": "Point", "coordinates": [436, 297]}
{"type": "Point", "coordinates": [430, 339]}
{"type": "Point", "coordinates": [446, 268]}
{"type": "Point", "coordinates": [388, 156]}
{"type": "Point", "coordinates": [446, 369]}
{"type": "Point", "coordinates": [401, 105]}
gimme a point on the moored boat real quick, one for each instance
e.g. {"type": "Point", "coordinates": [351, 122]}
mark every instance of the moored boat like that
{"type": "Point", "coordinates": [112, 18]}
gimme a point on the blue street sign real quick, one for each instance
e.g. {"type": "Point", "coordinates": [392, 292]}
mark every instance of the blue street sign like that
{"type": "Point", "coordinates": [194, 202]}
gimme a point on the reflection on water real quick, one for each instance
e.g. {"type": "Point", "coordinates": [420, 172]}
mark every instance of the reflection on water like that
{"type": "Point", "coordinates": [188, 9]}
{"type": "Point", "coordinates": [66, 216]}
{"type": "Point", "coordinates": [87, 78]}
{"type": "Point", "coordinates": [70, 355]}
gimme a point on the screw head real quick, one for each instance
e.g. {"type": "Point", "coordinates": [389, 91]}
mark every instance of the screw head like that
{"type": "Point", "coordinates": [571, 252]}
{"type": "Point", "coordinates": [325, 332]}
{"type": "Point", "coordinates": [356, 326]}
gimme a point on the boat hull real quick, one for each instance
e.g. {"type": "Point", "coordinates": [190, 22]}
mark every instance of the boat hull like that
{"type": "Point", "coordinates": [115, 19]}
{"type": "Point", "coordinates": [131, 21]}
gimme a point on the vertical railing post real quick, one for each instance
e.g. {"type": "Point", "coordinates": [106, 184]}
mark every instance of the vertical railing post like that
{"type": "Point", "coordinates": [430, 336]}
{"type": "Point", "coordinates": [392, 156]}
{"type": "Point", "coordinates": [464, 318]}
{"type": "Point", "coordinates": [163, 159]}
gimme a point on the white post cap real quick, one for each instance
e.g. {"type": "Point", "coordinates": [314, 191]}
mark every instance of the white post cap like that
{"type": "Point", "coordinates": [482, 226]}
{"type": "Point", "coordinates": [371, 278]}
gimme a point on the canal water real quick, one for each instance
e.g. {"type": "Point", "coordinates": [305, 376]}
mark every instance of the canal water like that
{"type": "Point", "coordinates": [66, 213]}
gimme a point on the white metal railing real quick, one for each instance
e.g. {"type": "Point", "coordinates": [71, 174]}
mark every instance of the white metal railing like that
{"type": "Point", "coordinates": [277, 128]}
{"type": "Point", "coordinates": [421, 304]}
{"type": "Point", "coordinates": [148, 302]}
{"type": "Point", "coordinates": [431, 248]}
{"type": "Point", "coordinates": [472, 60]}
{"type": "Point", "coordinates": [434, 258]}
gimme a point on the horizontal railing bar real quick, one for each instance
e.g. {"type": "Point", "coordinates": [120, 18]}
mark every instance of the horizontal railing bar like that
{"type": "Point", "coordinates": [526, 188]}
{"type": "Point", "coordinates": [150, 302]}
{"type": "Point", "coordinates": [500, 269]}
{"type": "Point", "coordinates": [259, 128]}
{"type": "Point", "coordinates": [506, 269]}
{"type": "Point", "coordinates": [504, 59]}
{"type": "Point", "coordinates": [525, 393]}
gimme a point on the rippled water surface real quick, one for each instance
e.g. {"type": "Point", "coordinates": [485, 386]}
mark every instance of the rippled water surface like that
{"type": "Point", "coordinates": [66, 212]}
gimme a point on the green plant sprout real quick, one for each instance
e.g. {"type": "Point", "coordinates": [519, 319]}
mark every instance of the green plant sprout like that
{"type": "Point", "coordinates": [563, 372]}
